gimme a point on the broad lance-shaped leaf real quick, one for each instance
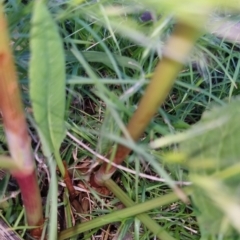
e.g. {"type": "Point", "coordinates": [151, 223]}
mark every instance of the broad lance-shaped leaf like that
{"type": "Point", "coordinates": [47, 77]}
{"type": "Point", "coordinates": [216, 152]}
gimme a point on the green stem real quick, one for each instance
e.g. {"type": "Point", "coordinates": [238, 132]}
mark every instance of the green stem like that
{"type": "Point", "coordinates": [59, 163]}
{"type": "Point", "coordinates": [120, 215]}
{"type": "Point", "coordinates": [67, 209]}
{"type": "Point", "coordinates": [143, 217]}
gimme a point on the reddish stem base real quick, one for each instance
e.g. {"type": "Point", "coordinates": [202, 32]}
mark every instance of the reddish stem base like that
{"type": "Point", "coordinates": [31, 200]}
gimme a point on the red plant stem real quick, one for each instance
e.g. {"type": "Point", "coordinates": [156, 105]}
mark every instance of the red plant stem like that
{"type": "Point", "coordinates": [30, 196]}
{"type": "Point", "coordinates": [72, 193]}
{"type": "Point", "coordinates": [15, 126]}
{"type": "Point", "coordinates": [68, 182]}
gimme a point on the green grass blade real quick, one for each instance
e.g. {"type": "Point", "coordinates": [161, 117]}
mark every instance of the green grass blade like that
{"type": "Point", "coordinates": [102, 57]}
{"type": "Point", "coordinates": [144, 218]}
{"type": "Point", "coordinates": [121, 214]}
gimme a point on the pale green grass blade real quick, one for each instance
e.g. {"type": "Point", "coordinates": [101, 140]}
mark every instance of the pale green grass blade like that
{"type": "Point", "coordinates": [102, 57]}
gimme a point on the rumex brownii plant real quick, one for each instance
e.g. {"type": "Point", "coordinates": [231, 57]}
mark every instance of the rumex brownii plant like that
{"type": "Point", "coordinates": [47, 92]}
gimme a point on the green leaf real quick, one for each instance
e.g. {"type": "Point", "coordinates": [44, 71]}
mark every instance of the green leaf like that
{"type": "Point", "coordinates": [221, 141]}
{"type": "Point", "coordinates": [47, 77]}
{"type": "Point", "coordinates": [216, 153]}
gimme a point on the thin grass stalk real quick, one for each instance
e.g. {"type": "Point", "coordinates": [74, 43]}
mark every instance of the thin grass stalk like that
{"type": "Point", "coordinates": [143, 217]}
{"type": "Point", "coordinates": [121, 215]}
{"type": "Point", "coordinates": [175, 53]}
{"type": "Point", "coordinates": [15, 126]}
